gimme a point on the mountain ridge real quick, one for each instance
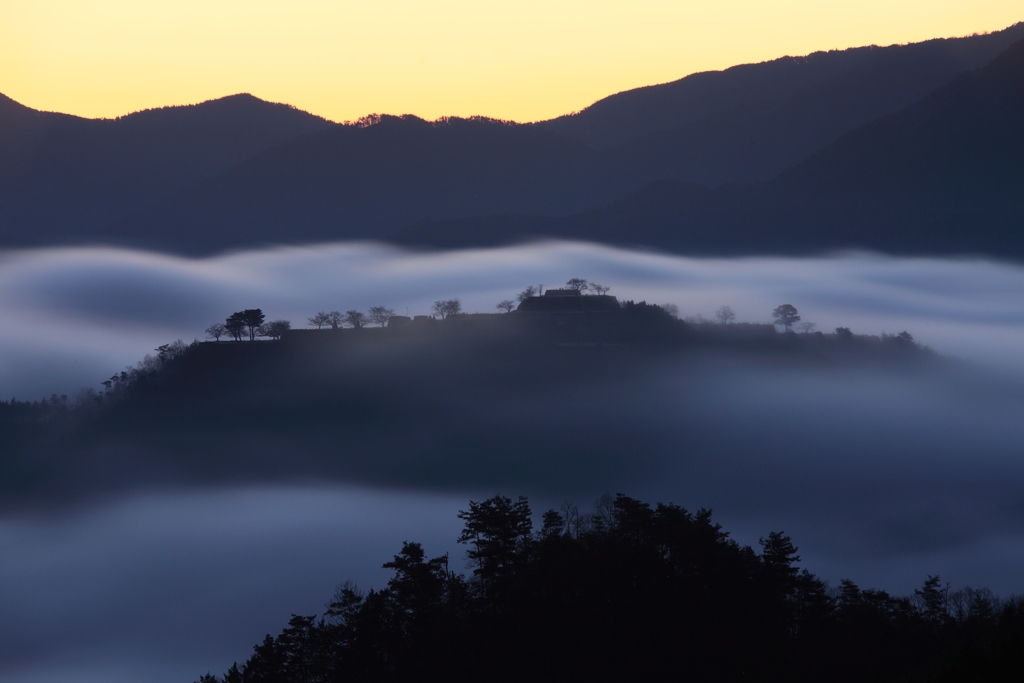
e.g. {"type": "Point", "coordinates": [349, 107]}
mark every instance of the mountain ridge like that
{"type": "Point", "coordinates": [239, 172]}
{"type": "Point", "coordinates": [941, 176]}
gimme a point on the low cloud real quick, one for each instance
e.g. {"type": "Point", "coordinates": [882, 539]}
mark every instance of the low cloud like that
{"type": "Point", "coordinates": [100, 309]}
{"type": "Point", "coordinates": [881, 474]}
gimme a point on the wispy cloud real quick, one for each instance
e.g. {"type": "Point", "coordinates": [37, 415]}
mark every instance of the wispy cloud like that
{"type": "Point", "coordinates": [71, 317]}
{"type": "Point", "coordinates": [880, 476]}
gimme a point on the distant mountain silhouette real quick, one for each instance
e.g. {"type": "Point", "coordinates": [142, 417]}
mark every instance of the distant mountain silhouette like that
{"type": "Point", "coordinates": [366, 181]}
{"type": "Point", "coordinates": [944, 175]}
{"type": "Point", "coordinates": [239, 172]}
{"type": "Point", "coordinates": [64, 177]}
{"type": "Point", "coordinates": [871, 79]}
{"type": "Point", "coordinates": [822, 96]}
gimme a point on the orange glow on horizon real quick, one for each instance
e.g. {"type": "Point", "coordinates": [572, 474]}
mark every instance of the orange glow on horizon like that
{"type": "Point", "coordinates": [343, 60]}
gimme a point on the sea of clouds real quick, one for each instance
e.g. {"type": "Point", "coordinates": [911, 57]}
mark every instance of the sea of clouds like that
{"type": "Point", "coordinates": [71, 317]}
{"type": "Point", "coordinates": [880, 478]}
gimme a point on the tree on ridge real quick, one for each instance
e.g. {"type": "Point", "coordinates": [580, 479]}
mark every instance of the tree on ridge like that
{"type": "Point", "coordinates": [380, 315]}
{"type": "Point", "coordinates": [355, 319]}
{"type": "Point", "coordinates": [786, 315]}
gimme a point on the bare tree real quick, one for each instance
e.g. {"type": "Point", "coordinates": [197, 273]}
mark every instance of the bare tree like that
{"type": "Point", "coordinates": [806, 327]}
{"type": "Point", "coordinates": [274, 329]}
{"type": "Point", "coordinates": [506, 305]}
{"type": "Point", "coordinates": [355, 319]}
{"type": "Point", "coordinates": [320, 319]}
{"type": "Point", "coordinates": [725, 315]}
{"type": "Point", "coordinates": [380, 315]}
{"type": "Point", "coordinates": [576, 283]}
{"type": "Point", "coordinates": [216, 331]}
{"type": "Point", "coordinates": [335, 319]}
{"type": "Point", "coordinates": [447, 307]}
{"type": "Point", "coordinates": [527, 293]}
{"type": "Point", "coordinates": [598, 289]}
{"type": "Point", "coordinates": [571, 514]}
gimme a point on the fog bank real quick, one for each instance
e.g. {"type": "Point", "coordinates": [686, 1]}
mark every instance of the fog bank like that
{"type": "Point", "coordinates": [881, 474]}
{"type": "Point", "coordinates": [72, 317]}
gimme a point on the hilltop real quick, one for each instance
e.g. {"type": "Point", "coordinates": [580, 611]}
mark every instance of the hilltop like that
{"type": "Point", "coordinates": [408, 402]}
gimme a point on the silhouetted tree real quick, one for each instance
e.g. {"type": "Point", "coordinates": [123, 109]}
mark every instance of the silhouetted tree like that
{"type": "Point", "coordinates": [380, 315]}
{"type": "Point", "coordinates": [725, 315]}
{"type": "Point", "coordinates": [844, 334]}
{"type": "Point", "coordinates": [903, 340]}
{"type": "Point", "coordinates": [250, 318]}
{"type": "Point", "coordinates": [778, 554]}
{"type": "Point", "coordinates": [576, 283]}
{"type": "Point", "coordinates": [275, 329]}
{"type": "Point", "coordinates": [418, 584]}
{"type": "Point", "coordinates": [641, 593]}
{"type": "Point", "coordinates": [235, 325]}
{"type": "Point", "coordinates": [598, 289]}
{"type": "Point", "coordinates": [932, 599]}
{"type": "Point", "coordinates": [498, 533]}
{"type": "Point", "coordinates": [527, 293]}
{"type": "Point", "coordinates": [266, 663]}
{"type": "Point", "coordinates": [233, 675]}
{"type": "Point", "coordinates": [506, 305]}
{"type": "Point", "coordinates": [806, 327]}
{"type": "Point", "coordinates": [320, 319]}
{"type": "Point", "coordinates": [335, 319]}
{"type": "Point", "coordinates": [216, 331]}
{"type": "Point", "coordinates": [785, 315]}
{"type": "Point", "coordinates": [355, 319]}
{"type": "Point", "coordinates": [554, 525]}
{"type": "Point", "coordinates": [447, 307]}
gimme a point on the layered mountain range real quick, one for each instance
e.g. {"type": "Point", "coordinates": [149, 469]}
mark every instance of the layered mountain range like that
{"type": "Point", "coordinates": [910, 148]}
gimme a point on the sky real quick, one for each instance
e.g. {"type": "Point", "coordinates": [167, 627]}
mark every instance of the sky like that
{"type": "Point", "coordinates": [525, 61]}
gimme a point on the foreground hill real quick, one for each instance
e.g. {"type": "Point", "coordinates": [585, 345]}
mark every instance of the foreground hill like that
{"type": "Point", "coordinates": [633, 591]}
{"type": "Point", "coordinates": [940, 176]}
{"type": "Point", "coordinates": [240, 172]}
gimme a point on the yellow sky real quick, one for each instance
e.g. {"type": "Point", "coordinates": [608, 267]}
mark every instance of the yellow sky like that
{"type": "Point", "coordinates": [524, 60]}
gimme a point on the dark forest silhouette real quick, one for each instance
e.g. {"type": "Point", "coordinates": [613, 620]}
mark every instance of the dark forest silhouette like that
{"type": "Point", "coordinates": [633, 591]}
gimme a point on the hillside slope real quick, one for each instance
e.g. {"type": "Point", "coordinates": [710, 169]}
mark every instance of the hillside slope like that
{"type": "Point", "coordinates": [944, 175]}
{"type": "Point", "coordinates": [64, 177]}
